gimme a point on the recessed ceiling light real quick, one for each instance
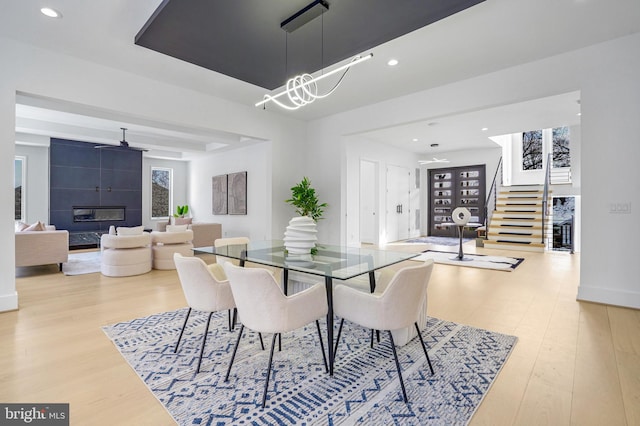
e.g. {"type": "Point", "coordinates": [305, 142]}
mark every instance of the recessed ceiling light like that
{"type": "Point", "coordinates": [415, 139]}
{"type": "Point", "coordinates": [484, 129]}
{"type": "Point", "coordinates": [579, 114]}
{"type": "Point", "coordinates": [51, 13]}
{"type": "Point", "coordinates": [392, 62]}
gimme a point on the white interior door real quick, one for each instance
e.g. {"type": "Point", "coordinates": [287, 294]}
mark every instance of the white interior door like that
{"type": "Point", "coordinates": [397, 203]}
{"type": "Point", "coordinates": [368, 202]}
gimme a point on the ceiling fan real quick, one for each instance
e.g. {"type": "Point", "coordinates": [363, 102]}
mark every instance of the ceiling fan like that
{"type": "Point", "coordinates": [123, 144]}
{"type": "Point", "coordinates": [435, 160]}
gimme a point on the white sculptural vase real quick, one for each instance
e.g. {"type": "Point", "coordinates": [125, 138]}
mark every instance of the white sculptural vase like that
{"type": "Point", "coordinates": [300, 237]}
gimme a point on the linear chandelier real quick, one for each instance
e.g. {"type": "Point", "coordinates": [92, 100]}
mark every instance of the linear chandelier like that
{"type": "Point", "coordinates": [303, 89]}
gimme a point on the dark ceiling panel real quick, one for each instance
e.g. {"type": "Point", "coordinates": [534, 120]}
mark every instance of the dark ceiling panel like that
{"type": "Point", "coordinates": [243, 38]}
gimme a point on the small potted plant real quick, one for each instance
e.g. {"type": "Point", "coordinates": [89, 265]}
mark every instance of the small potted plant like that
{"type": "Point", "coordinates": [300, 236]}
{"type": "Point", "coordinates": [304, 199]}
{"type": "Point", "coordinates": [181, 211]}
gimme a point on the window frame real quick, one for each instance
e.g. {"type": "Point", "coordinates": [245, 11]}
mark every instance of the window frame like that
{"type": "Point", "coordinates": [23, 196]}
{"type": "Point", "coordinates": [553, 151]}
{"type": "Point", "coordinates": [542, 151]}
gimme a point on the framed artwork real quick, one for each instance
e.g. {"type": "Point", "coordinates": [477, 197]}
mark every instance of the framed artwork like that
{"type": "Point", "coordinates": [219, 194]}
{"type": "Point", "coordinates": [237, 192]}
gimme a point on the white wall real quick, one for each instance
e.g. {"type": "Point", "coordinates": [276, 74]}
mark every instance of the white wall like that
{"type": "Point", "coordinates": [39, 72]}
{"type": "Point", "coordinates": [606, 74]}
{"type": "Point", "coordinates": [8, 294]}
{"type": "Point", "coordinates": [610, 174]}
{"type": "Point", "coordinates": [256, 160]}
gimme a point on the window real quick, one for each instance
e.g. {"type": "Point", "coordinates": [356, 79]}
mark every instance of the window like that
{"type": "Point", "coordinates": [19, 181]}
{"type": "Point", "coordinates": [560, 147]}
{"type": "Point", "coordinates": [161, 192]}
{"type": "Point", "coordinates": [532, 150]}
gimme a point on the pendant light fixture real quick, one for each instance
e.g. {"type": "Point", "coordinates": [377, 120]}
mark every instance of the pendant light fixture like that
{"type": "Point", "coordinates": [303, 89]}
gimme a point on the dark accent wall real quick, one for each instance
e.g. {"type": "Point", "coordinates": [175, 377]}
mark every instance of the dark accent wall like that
{"type": "Point", "coordinates": [82, 175]}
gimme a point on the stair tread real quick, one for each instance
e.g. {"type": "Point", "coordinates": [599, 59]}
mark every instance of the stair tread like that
{"type": "Point", "coordinates": [490, 242]}
{"type": "Point", "coordinates": [512, 233]}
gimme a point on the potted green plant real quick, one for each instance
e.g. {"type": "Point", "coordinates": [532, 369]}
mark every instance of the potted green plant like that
{"type": "Point", "coordinates": [181, 211]}
{"type": "Point", "coordinates": [300, 236]}
{"type": "Point", "coordinates": [304, 199]}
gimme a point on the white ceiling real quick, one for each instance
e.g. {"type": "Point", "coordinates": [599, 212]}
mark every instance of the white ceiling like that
{"type": "Point", "coordinates": [485, 38]}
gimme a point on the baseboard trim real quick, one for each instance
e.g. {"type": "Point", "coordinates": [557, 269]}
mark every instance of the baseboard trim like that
{"type": "Point", "coordinates": [607, 296]}
{"type": "Point", "coordinates": [9, 302]}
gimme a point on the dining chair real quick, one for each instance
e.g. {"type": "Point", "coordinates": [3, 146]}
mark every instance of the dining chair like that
{"type": "Point", "coordinates": [263, 307]}
{"type": "Point", "coordinates": [397, 306]}
{"type": "Point", "coordinates": [206, 289]}
{"type": "Point", "coordinates": [222, 242]}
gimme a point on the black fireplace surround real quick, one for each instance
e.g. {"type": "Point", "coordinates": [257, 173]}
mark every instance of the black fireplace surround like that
{"type": "Point", "coordinates": [92, 188]}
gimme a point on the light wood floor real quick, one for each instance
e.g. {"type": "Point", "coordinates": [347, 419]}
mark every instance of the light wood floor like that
{"type": "Point", "coordinates": [574, 364]}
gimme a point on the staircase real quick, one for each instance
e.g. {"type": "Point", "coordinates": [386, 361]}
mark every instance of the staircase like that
{"type": "Point", "coordinates": [516, 223]}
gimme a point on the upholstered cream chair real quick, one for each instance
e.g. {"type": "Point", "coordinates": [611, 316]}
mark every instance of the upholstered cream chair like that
{"type": "Point", "coordinates": [263, 307]}
{"type": "Point", "coordinates": [222, 242]}
{"type": "Point", "coordinates": [125, 254]}
{"type": "Point", "coordinates": [397, 306]}
{"type": "Point", "coordinates": [206, 289]}
{"type": "Point", "coordinates": [166, 244]}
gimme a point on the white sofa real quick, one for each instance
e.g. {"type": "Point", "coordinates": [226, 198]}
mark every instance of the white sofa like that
{"type": "Point", "coordinates": [42, 247]}
{"type": "Point", "coordinates": [204, 234]}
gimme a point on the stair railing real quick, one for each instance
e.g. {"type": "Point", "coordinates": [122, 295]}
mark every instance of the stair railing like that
{"type": "Point", "coordinates": [492, 195]}
{"type": "Point", "coordinates": [545, 194]}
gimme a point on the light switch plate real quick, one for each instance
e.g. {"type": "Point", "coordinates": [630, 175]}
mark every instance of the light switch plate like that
{"type": "Point", "coordinates": [620, 208]}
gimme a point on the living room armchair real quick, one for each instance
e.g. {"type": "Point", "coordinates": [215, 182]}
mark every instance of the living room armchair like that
{"type": "Point", "coordinates": [125, 253]}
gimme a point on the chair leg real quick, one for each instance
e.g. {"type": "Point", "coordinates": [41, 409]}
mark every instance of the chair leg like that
{"type": "Point", "coordinates": [204, 341]}
{"type": "Point", "coordinates": [261, 341]}
{"type": "Point", "coordinates": [395, 355]}
{"type": "Point", "coordinates": [377, 333]}
{"type": "Point", "coordinates": [324, 356]}
{"type": "Point", "coordinates": [182, 331]}
{"type": "Point", "coordinates": [266, 383]}
{"type": "Point", "coordinates": [424, 347]}
{"type": "Point", "coordinates": [235, 318]}
{"type": "Point", "coordinates": [335, 348]}
{"type": "Point", "coordinates": [233, 356]}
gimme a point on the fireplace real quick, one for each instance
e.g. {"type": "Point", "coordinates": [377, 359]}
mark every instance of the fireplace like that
{"type": "Point", "coordinates": [98, 213]}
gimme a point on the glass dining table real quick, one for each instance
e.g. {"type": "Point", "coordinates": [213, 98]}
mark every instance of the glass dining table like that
{"type": "Point", "coordinates": [328, 261]}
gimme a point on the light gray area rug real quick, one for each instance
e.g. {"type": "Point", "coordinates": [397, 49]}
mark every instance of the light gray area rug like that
{"type": "Point", "coordinates": [441, 241]}
{"type": "Point", "coordinates": [82, 263]}
{"type": "Point", "coordinates": [501, 263]}
{"type": "Point", "coordinates": [364, 389]}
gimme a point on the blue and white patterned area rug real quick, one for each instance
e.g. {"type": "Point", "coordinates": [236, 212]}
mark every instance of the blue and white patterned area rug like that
{"type": "Point", "coordinates": [363, 390]}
